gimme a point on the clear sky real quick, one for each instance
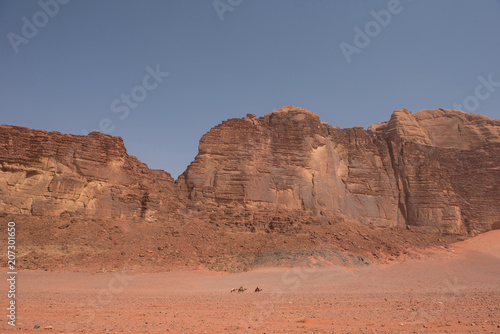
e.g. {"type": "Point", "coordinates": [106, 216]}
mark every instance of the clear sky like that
{"type": "Point", "coordinates": [83, 65]}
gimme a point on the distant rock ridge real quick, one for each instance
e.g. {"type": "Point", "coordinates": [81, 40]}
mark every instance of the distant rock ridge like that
{"type": "Point", "coordinates": [438, 170]}
{"type": "Point", "coordinates": [441, 128]}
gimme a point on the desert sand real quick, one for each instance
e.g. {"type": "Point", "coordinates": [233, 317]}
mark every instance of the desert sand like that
{"type": "Point", "coordinates": [450, 290]}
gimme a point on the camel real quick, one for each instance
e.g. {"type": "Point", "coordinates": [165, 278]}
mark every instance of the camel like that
{"type": "Point", "coordinates": [241, 289]}
{"type": "Point", "coordinates": [234, 290]}
{"type": "Point", "coordinates": [257, 289]}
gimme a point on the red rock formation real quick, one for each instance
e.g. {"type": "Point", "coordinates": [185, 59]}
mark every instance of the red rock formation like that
{"type": "Point", "coordinates": [447, 167]}
{"type": "Point", "coordinates": [435, 169]}
{"type": "Point", "coordinates": [47, 173]}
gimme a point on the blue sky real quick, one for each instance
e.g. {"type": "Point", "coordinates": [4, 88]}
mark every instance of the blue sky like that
{"type": "Point", "coordinates": [73, 72]}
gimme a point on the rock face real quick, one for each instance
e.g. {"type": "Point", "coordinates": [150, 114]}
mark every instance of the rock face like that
{"type": "Point", "coordinates": [436, 169]}
{"type": "Point", "coordinates": [51, 174]}
{"type": "Point", "coordinates": [292, 161]}
{"type": "Point", "coordinates": [447, 165]}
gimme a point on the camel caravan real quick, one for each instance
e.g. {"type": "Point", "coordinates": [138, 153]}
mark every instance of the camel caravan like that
{"type": "Point", "coordinates": [242, 289]}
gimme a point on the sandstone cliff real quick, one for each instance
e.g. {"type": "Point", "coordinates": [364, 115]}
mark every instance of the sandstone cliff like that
{"type": "Point", "coordinates": [50, 174]}
{"type": "Point", "coordinates": [435, 169]}
{"type": "Point", "coordinates": [447, 165]}
{"type": "Point", "coordinates": [281, 189]}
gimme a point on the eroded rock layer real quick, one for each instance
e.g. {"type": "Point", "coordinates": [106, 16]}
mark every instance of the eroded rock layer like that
{"type": "Point", "coordinates": [436, 169]}
{"type": "Point", "coordinates": [50, 174]}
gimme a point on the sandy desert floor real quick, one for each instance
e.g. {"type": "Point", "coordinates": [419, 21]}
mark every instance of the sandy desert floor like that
{"type": "Point", "coordinates": [454, 290]}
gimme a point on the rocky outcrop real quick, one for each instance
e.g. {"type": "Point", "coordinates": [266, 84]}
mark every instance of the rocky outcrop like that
{"type": "Point", "coordinates": [447, 166]}
{"type": "Point", "coordinates": [436, 169]}
{"type": "Point", "coordinates": [50, 174]}
{"type": "Point", "coordinates": [441, 128]}
{"type": "Point", "coordinates": [290, 160]}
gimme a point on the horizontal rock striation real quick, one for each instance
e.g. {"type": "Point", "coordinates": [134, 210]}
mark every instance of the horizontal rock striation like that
{"type": "Point", "coordinates": [436, 169]}
{"type": "Point", "coordinates": [49, 174]}
{"type": "Point", "coordinates": [447, 164]}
